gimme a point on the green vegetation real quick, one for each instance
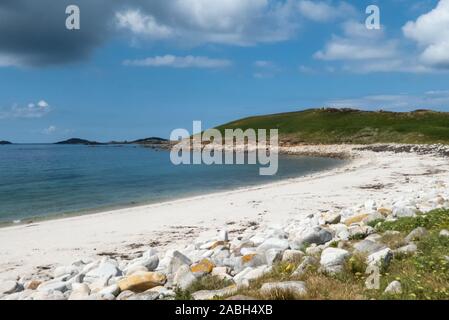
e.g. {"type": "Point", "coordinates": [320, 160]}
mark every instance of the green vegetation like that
{"type": "Point", "coordinates": [424, 275]}
{"type": "Point", "coordinates": [327, 126]}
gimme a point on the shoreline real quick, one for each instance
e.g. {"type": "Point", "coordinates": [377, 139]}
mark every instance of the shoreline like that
{"type": "Point", "coordinates": [34, 248]}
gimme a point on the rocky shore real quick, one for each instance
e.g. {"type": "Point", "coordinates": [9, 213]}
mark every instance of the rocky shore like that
{"type": "Point", "coordinates": [326, 254]}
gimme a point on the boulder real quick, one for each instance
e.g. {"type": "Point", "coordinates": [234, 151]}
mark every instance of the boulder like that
{"type": "Point", "coordinates": [273, 256]}
{"type": "Point", "coordinates": [444, 233]}
{"type": "Point", "coordinates": [141, 282]}
{"type": "Point", "coordinates": [368, 247]}
{"type": "Point", "coordinates": [273, 243]}
{"type": "Point", "coordinates": [360, 231]}
{"type": "Point", "coordinates": [331, 218]}
{"type": "Point", "coordinates": [53, 285]}
{"type": "Point", "coordinates": [184, 278]}
{"type": "Point", "coordinates": [380, 258]}
{"type": "Point", "coordinates": [297, 288]}
{"type": "Point", "coordinates": [317, 236]}
{"type": "Point", "coordinates": [204, 266]}
{"type": "Point", "coordinates": [150, 263]}
{"type": "Point", "coordinates": [144, 296]}
{"type": "Point", "coordinates": [253, 260]}
{"type": "Point", "coordinates": [212, 294]}
{"type": "Point", "coordinates": [249, 274]}
{"type": "Point", "coordinates": [416, 234]}
{"type": "Point", "coordinates": [113, 289]}
{"type": "Point", "coordinates": [404, 211]}
{"type": "Point", "coordinates": [333, 259]}
{"type": "Point", "coordinates": [292, 256]}
{"type": "Point", "coordinates": [104, 270]}
{"type": "Point", "coordinates": [409, 249]}
{"type": "Point", "coordinates": [80, 291]}
{"type": "Point", "coordinates": [355, 219]}
{"type": "Point", "coordinates": [394, 288]}
{"type": "Point", "coordinates": [177, 259]}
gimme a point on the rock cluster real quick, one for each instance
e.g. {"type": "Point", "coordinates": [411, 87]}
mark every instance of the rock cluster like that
{"type": "Point", "coordinates": [324, 241]}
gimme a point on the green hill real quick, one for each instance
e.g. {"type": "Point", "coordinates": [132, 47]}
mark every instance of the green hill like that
{"type": "Point", "coordinates": [326, 126]}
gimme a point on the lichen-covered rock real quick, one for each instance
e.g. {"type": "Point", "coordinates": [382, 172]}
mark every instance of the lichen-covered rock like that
{"type": "Point", "coordinates": [204, 266]}
{"type": "Point", "coordinates": [141, 282]}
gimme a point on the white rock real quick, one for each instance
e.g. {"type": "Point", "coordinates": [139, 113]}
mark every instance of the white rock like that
{"type": "Point", "coordinates": [273, 243]}
{"type": "Point", "coordinates": [292, 255]}
{"type": "Point", "coordinates": [272, 256]}
{"type": "Point", "coordinates": [223, 236]}
{"type": "Point", "coordinates": [150, 263]}
{"type": "Point", "coordinates": [177, 260]}
{"type": "Point", "coordinates": [394, 288]}
{"type": "Point", "coordinates": [63, 270]}
{"type": "Point", "coordinates": [332, 259]}
{"type": "Point", "coordinates": [406, 250]}
{"type": "Point", "coordinates": [104, 270]}
{"type": "Point", "coordinates": [296, 287]}
{"type": "Point", "coordinates": [380, 258]}
{"type": "Point", "coordinates": [444, 233]}
{"type": "Point", "coordinates": [53, 285]}
{"type": "Point", "coordinates": [80, 291]}
{"type": "Point", "coordinates": [404, 211]}
{"type": "Point", "coordinates": [211, 294]}
{"type": "Point", "coordinates": [184, 278]}
{"type": "Point", "coordinates": [110, 290]}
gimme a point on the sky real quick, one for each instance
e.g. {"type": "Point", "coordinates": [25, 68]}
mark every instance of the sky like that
{"type": "Point", "coordinates": [141, 68]}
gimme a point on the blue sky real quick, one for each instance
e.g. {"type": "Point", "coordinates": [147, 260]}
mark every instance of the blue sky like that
{"type": "Point", "coordinates": [143, 68]}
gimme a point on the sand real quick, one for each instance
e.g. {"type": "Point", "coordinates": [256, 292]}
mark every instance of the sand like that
{"type": "Point", "coordinates": [26, 249]}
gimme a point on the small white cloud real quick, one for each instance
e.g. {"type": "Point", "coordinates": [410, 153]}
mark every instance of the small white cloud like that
{"type": "Point", "coordinates": [265, 69]}
{"type": "Point", "coordinates": [180, 62]}
{"type": "Point", "coordinates": [324, 11]}
{"type": "Point", "coordinates": [49, 130]}
{"type": "Point", "coordinates": [32, 110]}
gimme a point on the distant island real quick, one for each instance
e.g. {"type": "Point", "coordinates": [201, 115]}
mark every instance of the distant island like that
{"type": "Point", "coordinates": [153, 141]}
{"type": "Point", "coordinates": [77, 141]}
{"type": "Point", "coordinates": [2, 142]}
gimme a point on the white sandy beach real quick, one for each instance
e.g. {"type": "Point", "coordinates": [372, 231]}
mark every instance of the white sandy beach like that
{"type": "Point", "coordinates": [24, 248]}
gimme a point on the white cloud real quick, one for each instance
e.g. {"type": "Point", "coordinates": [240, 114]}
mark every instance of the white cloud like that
{"type": "Point", "coordinates": [32, 110]}
{"type": "Point", "coordinates": [324, 11]}
{"type": "Point", "coordinates": [140, 23]}
{"type": "Point", "coordinates": [431, 32]}
{"type": "Point", "coordinates": [358, 43]}
{"type": "Point", "coordinates": [179, 62]}
{"type": "Point", "coordinates": [399, 102]}
{"type": "Point", "coordinates": [49, 130]}
{"type": "Point", "coordinates": [194, 22]}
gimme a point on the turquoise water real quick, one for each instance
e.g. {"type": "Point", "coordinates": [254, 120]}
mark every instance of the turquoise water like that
{"type": "Point", "coordinates": [41, 181]}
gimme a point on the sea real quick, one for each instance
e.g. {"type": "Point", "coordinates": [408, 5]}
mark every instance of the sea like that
{"type": "Point", "coordinates": [45, 181]}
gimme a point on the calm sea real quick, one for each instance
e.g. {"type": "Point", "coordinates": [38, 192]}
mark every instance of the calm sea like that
{"type": "Point", "coordinates": [42, 181]}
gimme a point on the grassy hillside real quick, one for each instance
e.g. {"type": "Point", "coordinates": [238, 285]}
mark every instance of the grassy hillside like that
{"type": "Point", "coordinates": [352, 126]}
